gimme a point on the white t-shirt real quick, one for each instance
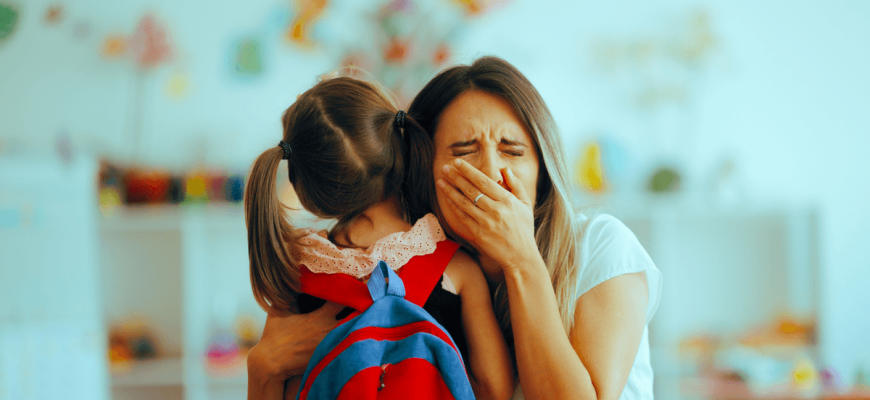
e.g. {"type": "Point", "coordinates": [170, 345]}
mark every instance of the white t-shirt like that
{"type": "Point", "coordinates": [610, 249]}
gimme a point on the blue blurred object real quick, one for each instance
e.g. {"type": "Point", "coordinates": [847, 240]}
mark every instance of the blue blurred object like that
{"type": "Point", "coordinates": [235, 188]}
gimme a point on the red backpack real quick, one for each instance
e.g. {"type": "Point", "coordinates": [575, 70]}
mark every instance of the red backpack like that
{"type": "Point", "coordinates": [389, 348]}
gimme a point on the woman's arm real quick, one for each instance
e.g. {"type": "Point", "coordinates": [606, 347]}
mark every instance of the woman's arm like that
{"type": "Point", "coordinates": [491, 375]}
{"type": "Point", "coordinates": [611, 316]}
{"type": "Point", "coordinates": [596, 361]}
{"type": "Point", "coordinates": [287, 344]}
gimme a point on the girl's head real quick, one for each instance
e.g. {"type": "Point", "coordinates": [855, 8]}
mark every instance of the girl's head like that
{"type": "Point", "coordinates": [347, 152]}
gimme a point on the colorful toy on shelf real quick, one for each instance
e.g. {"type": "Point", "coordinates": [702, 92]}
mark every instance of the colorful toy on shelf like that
{"type": "Point", "coordinates": [247, 331]}
{"type": "Point", "coordinates": [217, 187]}
{"type": "Point", "coordinates": [146, 186]}
{"type": "Point", "coordinates": [805, 376]}
{"type": "Point", "coordinates": [131, 340]}
{"type": "Point", "coordinates": [119, 185]}
{"type": "Point", "coordinates": [195, 188]}
{"type": "Point", "coordinates": [235, 188]}
{"type": "Point", "coordinates": [222, 352]}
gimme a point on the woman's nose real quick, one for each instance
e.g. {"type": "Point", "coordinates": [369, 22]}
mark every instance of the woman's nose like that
{"type": "Point", "coordinates": [491, 165]}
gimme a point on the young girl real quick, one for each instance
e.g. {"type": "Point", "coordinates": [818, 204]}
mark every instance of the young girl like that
{"type": "Point", "coordinates": [347, 150]}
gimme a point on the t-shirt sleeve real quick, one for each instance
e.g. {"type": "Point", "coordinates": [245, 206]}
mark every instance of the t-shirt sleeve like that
{"type": "Point", "coordinates": [611, 249]}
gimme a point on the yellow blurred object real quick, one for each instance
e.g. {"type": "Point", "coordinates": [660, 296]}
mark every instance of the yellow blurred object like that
{"type": "Point", "coordinates": [307, 11]}
{"type": "Point", "coordinates": [786, 331]}
{"type": "Point", "coordinates": [590, 173]}
{"type": "Point", "coordinates": [110, 199]}
{"type": "Point", "coordinates": [805, 375]}
{"type": "Point", "coordinates": [196, 188]}
{"type": "Point", "coordinates": [114, 47]}
{"type": "Point", "coordinates": [177, 85]}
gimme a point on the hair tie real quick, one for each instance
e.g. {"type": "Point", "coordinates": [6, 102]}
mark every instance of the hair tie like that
{"type": "Point", "coordinates": [400, 119]}
{"type": "Point", "coordinates": [287, 150]}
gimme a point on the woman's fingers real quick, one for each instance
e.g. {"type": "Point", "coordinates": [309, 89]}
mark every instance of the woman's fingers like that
{"type": "Point", "coordinates": [459, 199]}
{"type": "Point", "coordinates": [479, 180]}
{"type": "Point", "coordinates": [516, 186]}
{"type": "Point", "coordinates": [471, 192]}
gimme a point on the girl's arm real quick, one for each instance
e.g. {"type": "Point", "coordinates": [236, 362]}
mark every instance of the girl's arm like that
{"type": "Point", "coordinates": [491, 375]}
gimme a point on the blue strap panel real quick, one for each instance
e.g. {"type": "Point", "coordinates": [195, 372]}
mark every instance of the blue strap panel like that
{"type": "Point", "coordinates": [379, 287]}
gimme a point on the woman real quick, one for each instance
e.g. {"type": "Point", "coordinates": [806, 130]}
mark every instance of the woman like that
{"type": "Point", "coordinates": [575, 294]}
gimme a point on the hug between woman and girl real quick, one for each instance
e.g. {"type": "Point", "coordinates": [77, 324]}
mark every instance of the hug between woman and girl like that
{"type": "Point", "coordinates": [543, 301]}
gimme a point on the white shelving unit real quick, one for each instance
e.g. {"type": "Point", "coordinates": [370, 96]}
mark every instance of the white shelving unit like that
{"type": "Point", "coordinates": [726, 269]}
{"type": "Point", "coordinates": [184, 269]}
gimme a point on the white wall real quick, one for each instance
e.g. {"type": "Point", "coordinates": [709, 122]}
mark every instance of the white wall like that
{"type": "Point", "coordinates": [786, 95]}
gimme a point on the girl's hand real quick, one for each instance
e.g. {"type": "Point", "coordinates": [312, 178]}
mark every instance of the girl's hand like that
{"type": "Point", "coordinates": [502, 222]}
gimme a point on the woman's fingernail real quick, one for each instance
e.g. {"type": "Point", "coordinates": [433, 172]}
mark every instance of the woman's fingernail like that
{"type": "Point", "coordinates": [458, 162]}
{"type": "Point", "coordinates": [441, 183]}
{"type": "Point", "coordinates": [445, 169]}
{"type": "Point", "coordinates": [511, 173]}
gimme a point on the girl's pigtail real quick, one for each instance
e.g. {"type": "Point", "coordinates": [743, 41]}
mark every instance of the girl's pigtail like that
{"type": "Point", "coordinates": [271, 238]}
{"type": "Point", "coordinates": [417, 186]}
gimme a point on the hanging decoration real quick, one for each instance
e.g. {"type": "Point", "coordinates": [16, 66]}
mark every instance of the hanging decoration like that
{"type": "Point", "coordinates": [53, 14]}
{"type": "Point", "coordinates": [114, 46]}
{"type": "Point", "coordinates": [82, 29]}
{"type": "Point", "coordinates": [248, 58]}
{"type": "Point", "coordinates": [150, 45]}
{"type": "Point", "coordinates": [8, 21]}
{"type": "Point", "coordinates": [477, 7]}
{"type": "Point", "coordinates": [307, 12]}
{"type": "Point", "coordinates": [407, 42]}
{"type": "Point", "coordinates": [177, 85]}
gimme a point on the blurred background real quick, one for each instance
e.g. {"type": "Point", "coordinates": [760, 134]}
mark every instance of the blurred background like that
{"type": "Point", "coordinates": [731, 137]}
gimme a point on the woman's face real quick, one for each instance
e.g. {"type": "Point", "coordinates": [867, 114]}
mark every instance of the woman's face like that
{"type": "Point", "coordinates": [484, 130]}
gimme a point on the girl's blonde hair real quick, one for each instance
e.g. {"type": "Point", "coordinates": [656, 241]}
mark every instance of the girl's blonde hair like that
{"type": "Point", "coordinates": [346, 153]}
{"type": "Point", "coordinates": [557, 230]}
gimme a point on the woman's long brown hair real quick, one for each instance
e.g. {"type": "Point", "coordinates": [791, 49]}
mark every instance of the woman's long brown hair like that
{"type": "Point", "coordinates": [347, 153]}
{"type": "Point", "coordinates": [557, 231]}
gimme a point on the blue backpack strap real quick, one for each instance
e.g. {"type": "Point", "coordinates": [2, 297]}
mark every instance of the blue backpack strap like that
{"type": "Point", "coordinates": [379, 287]}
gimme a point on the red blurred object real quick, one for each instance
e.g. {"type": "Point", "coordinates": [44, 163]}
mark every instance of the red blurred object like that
{"type": "Point", "coordinates": [146, 186]}
{"type": "Point", "coordinates": [396, 51]}
{"type": "Point", "coordinates": [150, 44]}
{"type": "Point", "coordinates": [217, 185]}
{"type": "Point", "coordinates": [442, 54]}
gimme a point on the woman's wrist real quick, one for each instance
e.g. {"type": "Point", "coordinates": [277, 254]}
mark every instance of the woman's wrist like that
{"type": "Point", "coordinates": [524, 262]}
{"type": "Point", "coordinates": [260, 370]}
{"type": "Point", "coordinates": [523, 269]}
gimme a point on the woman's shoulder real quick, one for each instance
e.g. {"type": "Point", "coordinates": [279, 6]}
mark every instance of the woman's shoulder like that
{"type": "Point", "coordinates": [611, 249]}
{"type": "Point", "coordinates": [606, 236]}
